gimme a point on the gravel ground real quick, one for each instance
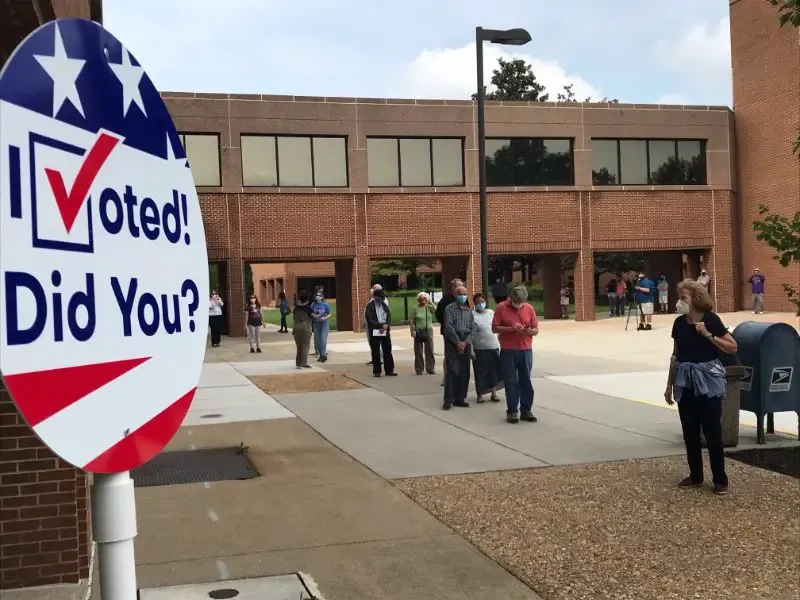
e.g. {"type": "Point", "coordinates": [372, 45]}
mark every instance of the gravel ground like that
{"type": "Point", "coordinates": [624, 531]}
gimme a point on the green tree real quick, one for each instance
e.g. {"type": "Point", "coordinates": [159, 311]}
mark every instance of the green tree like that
{"type": "Point", "coordinates": [780, 232]}
{"type": "Point", "coordinates": [400, 266]}
{"type": "Point", "coordinates": [567, 95]}
{"type": "Point", "coordinates": [514, 80]}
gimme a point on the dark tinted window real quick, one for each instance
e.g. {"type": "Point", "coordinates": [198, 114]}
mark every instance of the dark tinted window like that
{"type": "Point", "coordinates": [653, 162]}
{"type": "Point", "coordinates": [528, 162]}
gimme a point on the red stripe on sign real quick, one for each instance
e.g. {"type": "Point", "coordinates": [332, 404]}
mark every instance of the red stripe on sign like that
{"type": "Point", "coordinates": [41, 394]}
{"type": "Point", "coordinates": [144, 443]}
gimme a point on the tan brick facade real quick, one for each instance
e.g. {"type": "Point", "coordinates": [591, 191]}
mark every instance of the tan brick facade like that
{"type": "Point", "coordinates": [766, 97]}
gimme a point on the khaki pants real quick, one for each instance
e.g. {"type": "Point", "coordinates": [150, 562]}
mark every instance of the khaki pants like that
{"type": "Point", "coordinates": [254, 336]}
{"type": "Point", "coordinates": [758, 303]}
{"type": "Point", "coordinates": [302, 340]}
{"type": "Point", "coordinates": [423, 353]}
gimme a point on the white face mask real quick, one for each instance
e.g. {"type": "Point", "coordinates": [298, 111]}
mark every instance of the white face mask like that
{"type": "Point", "coordinates": [682, 307]}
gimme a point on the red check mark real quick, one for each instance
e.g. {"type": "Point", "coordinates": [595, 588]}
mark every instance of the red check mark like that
{"type": "Point", "coordinates": [69, 203]}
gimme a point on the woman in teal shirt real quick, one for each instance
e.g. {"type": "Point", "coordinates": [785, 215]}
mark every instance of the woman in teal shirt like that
{"type": "Point", "coordinates": [320, 313]}
{"type": "Point", "coordinates": [421, 322]}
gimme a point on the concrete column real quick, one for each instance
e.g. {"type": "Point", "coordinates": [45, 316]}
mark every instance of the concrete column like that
{"type": "Point", "coordinates": [551, 281]}
{"type": "Point", "coordinates": [584, 286]}
{"type": "Point", "coordinates": [235, 297]}
{"type": "Point", "coordinates": [360, 284]}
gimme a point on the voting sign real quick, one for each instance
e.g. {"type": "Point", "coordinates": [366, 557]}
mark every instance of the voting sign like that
{"type": "Point", "coordinates": [103, 263]}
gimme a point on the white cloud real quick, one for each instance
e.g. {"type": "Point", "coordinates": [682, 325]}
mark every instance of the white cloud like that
{"type": "Point", "coordinates": [674, 99]}
{"type": "Point", "coordinates": [703, 53]}
{"type": "Point", "coordinates": [450, 73]}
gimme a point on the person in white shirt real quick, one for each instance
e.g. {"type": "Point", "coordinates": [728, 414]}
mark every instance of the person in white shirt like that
{"type": "Point", "coordinates": [663, 293]}
{"type": "Point", "coordinates": [215, 318]}
{"type": "Point", "coordinates": [486, 364]}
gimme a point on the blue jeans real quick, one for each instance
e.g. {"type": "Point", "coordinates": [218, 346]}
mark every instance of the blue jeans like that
{"type": "Point", "coordinates": [321, 338]}
{"type": "Point", "coordinates": [517, 365]}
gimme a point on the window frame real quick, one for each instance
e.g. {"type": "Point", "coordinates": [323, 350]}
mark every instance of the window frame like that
{"type": "Point", "coordinates": [571, 141]}
{"type": "Point", "coordinates": [430, 139]}
{"type": "Point", "coordinates": [703, 152]}
{"type": "Point", "coordinates": [182, 137]}
{"type": "Point", "coordinates": [310, 138]}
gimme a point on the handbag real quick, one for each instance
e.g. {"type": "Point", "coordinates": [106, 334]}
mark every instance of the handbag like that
{"type": "Point", "coordinates": [423, 335]}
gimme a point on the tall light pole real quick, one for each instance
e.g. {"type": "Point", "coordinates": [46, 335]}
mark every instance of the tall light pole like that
{"type": "Point", "coordinates": [509, 37]}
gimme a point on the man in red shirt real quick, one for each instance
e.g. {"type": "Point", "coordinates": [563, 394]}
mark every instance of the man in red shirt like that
{"type": "Point", "coordinates": [516, 324]}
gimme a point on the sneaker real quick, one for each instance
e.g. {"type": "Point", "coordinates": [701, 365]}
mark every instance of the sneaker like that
{"type": "Point", "coordinates": [447, 406]}
{"type": "Point", "coordinates": [529, 417]}
{"type": "Point", "coordinates": [720, 490]}
{"type": "Point", "coordinates": [640, 327]}
{"type": "Point", "coordinates": [323, 359]}
{"type": "Point", "coordinates": [480, 400]}
{"type": "Point", "coordinates": [494, 398]}
{"type": "Point", "coordinates": [258, 350]}
{"type": "Point", "coordinates": [461, 404]}
{"type": "Point", "coordinates": [392, 374]}
{"type": "Point", "coordinates": [252, 351]}
{"type": "Point", "coordinates": [648, 327]}
{"type": "Point", "coordinates": [688, 482]}
{"type": "Point", "coordinates": [376, 374]}
{"type": "Point", "coordinates": [307, 366]}
{"type": "Point", "coordinates": [512, 418]}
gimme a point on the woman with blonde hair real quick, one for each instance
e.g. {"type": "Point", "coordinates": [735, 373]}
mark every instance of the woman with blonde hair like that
{"type": "Point", "coordinates": [697, 380]}
{"type": "Point", "coordinates": [421, 323]}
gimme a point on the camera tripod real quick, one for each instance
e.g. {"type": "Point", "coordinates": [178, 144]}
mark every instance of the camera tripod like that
{"type": "Point", "coordinates": [633, 304]}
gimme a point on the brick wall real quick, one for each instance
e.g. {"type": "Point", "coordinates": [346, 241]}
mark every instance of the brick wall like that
{"type": "Point", "coordinates": [766, 95]}
{"type": "Point", "coordinates": [45, 535]}
{"type": "Point", "coordinates": [282, 227]}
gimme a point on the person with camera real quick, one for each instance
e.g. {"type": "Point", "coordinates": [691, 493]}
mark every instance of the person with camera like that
{"type": "Point", "coordinates": [215, 319]}
{"type": "Point", "coordinates": [696, 380]}
{"type": "Point", "coordinates": [644, 298]}
{"type": "Point", "coordinates": [421, 323]}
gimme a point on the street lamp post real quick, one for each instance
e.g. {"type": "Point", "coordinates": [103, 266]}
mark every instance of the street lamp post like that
{"type": "Point", "coordinates": [509, 37]}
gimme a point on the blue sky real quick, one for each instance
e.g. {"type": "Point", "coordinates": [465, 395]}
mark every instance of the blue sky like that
{"type": "Point", "coordinates": [633, 50]}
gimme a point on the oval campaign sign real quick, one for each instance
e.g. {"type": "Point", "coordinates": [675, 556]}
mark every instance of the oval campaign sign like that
{"type": "Point", "coordinates": [103, 264]}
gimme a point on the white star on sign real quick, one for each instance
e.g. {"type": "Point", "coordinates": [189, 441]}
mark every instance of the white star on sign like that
{"type": "Point", "coordinates": [130, 77]}
{"type": "Point", "coordinates": [171, 154]}
{"type": "Point", "coordinates": [64, 72]}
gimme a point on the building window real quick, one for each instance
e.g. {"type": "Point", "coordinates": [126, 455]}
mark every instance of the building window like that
{"type": "Point", "coordinates": [294, 161]}
{"type": "Point", "coordinates": [528, 162]}
{"type": "Point", "coordinates": [415, 162]}
{"type": "Point", "coordinates": [648, 162]}
{"type": "Point", "coordinates": [202, 152]}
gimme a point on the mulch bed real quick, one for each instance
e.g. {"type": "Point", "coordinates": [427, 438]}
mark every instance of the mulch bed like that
{"type": "Point", "coordinates": [780, 460]}
{"type": "Point", "coordinates": [304, 382]}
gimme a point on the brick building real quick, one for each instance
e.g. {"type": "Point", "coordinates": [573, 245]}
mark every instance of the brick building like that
{"type": "Point", "coordinates": [349, 181]}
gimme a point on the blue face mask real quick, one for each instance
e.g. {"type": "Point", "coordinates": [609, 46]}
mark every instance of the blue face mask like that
{"type": "Point", "coordinates": [461, 299]}
{"type": "Point", "coordinates": [480, 307]}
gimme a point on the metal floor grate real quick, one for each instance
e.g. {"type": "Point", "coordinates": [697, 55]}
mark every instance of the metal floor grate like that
{"type": "Point", "coordinates": [194, 466]}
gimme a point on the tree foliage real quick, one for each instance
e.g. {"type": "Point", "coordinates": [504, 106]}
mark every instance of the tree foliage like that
{"type": "Point", "coordinates": [568, 95]}
{"type": "Point", "coordinates": [788, 11]}
{"type": "Point", "coordinates": [400, 266]}
{"type": "Point", "coordinates": [514, 80]}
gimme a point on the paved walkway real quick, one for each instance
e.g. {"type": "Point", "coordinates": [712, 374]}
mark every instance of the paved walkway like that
{"type": "Point", "coordinates": [317, 510]}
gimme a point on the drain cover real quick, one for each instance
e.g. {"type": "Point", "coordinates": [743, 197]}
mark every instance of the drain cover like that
{"type": "Point", "coordinates": [211, 416]}
{"type": "Point", "coordinates": [194, 466]}
{"type": "Point", "coordinates": [223, 594]}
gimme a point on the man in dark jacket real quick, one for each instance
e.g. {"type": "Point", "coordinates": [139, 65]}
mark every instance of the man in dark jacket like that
{"type": "Point", "coordinates": [379, 319]}
{"type": "Point", "coordinates": [447, 299]}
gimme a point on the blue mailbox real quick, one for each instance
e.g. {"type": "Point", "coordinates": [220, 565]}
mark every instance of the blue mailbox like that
{"type": "Point", "coordinates": [770, 353]}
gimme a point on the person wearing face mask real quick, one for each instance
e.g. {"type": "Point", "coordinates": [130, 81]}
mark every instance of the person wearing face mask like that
{"type": "Point", "coordinates": [320, 313]}
{"type": "Point", "coordinates": [379, 318]}
{"type": "Point", "coordinates": [459, 327]}
{"type": "Point", "coordinates": [302, 330]}
{"type": "Point", "coordinates": [663, 294]}
{"type": "Point", "coordinates": [696, 381]}
{"type": "Point", "coordinates": [486, 365]}
{"type": "Point", "coordinates": [447, 299]}
{"type": "Point", "coordinates": [421, 324]}
{"type": "Point", "coordinates": [516, 323]}
{"type": "Point", "coordinates": [253, 322]}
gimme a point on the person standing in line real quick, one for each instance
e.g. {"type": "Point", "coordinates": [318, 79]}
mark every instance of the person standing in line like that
{"type": "Point", "coordinates": [447, 299]}
{"type": "Point", "coordinates": [459, 327]}
{"type": "Point", "coordinates": [486, 365]}
{"type": "Point", "coordinates": [663, 294]}
{"type": "Point", "coordinates": [254, 321]}
{"type": "Point", "coordinates": [302, 330]}
{"type": "Point", "coordinates": [757, 289]}
{"type": "Point", "coordinates": [516, 323]}
{"type": "Point", "coordinates": [283, 306]}
{"type": "Point", "coordinates": [611, 292]}
{"type": "Point", "coordinates": [564, 300]}
{"type": "Point", "coordinates": [372, 290]}
{"type": "Point", "coordinates": [622, 296]}
{"type": "Point", "coordinates": [379, 318]}
{"type": "Point", "coordinates": [644, 297]}
{"type": "Point", "coordinates": [421, 324]}
{"type": "Point", "coordinates": [320, 313]}
{"type": "Point", "coordinates": [215, 322]}
{"type": "Point", "coordinates": [499, 291]}
{"type": "Point", "coordinates": [696, 381]}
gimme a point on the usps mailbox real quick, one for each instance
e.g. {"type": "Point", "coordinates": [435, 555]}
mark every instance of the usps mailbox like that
{"type": "Point", "coordinates": [770, 353]}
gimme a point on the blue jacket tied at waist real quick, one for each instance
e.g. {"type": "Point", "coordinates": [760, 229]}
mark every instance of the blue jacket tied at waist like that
{"type": "Point", "coordinates": [705, 379]}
